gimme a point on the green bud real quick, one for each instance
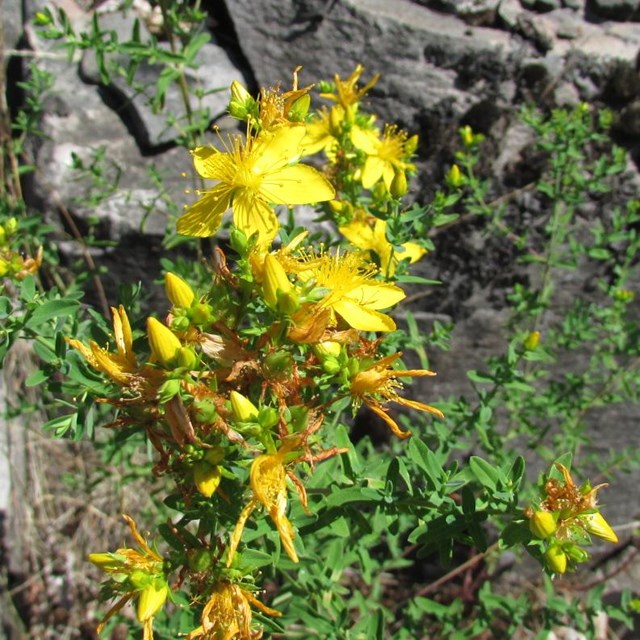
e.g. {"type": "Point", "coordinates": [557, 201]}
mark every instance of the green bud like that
{"type": "Point", "coordinates": [187, 358]}
{"type": "Point", "coordinates": [139, 579]}
{"type": "Point", "coordinates": [168, 389]}
{"type": "Point", "coordinates": [205, 411]}
{"type": "Point", "coordinates": [199, 560]}
{"type": "Point", "coordinates": [215, 455]}
{"type": "Point", "coordinates": [268, 417]}
{"type": "Point", "coordinates": [180, 324]}
{"type": "Point", "coordinates": [576, 553]}
{"type": "Point", "coordinates": [11, 226]}
{"type": "Point", "coordinates": [278, 362]}
{"type": "Point", "coordinates": [331, 366]}
{"type": "Point", "coordinates": [300, 108]}
{"type": "Point", "coordinates": [201, 313]}
{"type": "Point", "coordinates": [239, 241]}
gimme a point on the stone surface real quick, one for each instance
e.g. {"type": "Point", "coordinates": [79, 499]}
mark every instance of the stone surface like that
{"type": "Point", "coordinates": [615, 9]}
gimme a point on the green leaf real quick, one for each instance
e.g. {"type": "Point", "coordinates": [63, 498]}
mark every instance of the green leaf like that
{"type": "Point", "coordinates": [52, 309]}
{"type": "Point", "coordinates": [419, 453]}
{"type": "Point", "coordinates": [487, 475]}
{"type": "Point", "coordinates": [36, 378]}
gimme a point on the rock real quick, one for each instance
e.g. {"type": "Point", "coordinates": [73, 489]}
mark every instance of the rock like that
{"type": "Point", "coordinates": [541, 5]}
{"type": "Point", "coordinates": [614, 9]}
{"type": "Point", "coordinates": [473, 12]}
{"type": "Point", "coordinates": [628, 121]}
{"type": "Point", "coordinates": [537, 29]}
{"type": "Point", "coordinates": [210, 77]}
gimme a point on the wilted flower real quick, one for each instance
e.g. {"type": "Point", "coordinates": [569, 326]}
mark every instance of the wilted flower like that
{"type": "Point", "coordinates": [228, 616]}
{"type": "Point", "coordinates": [378, 384]}
{"type": "Point", "coordinates": [347, 93]}
{"type": "Point", "coordinates": [135, 573]}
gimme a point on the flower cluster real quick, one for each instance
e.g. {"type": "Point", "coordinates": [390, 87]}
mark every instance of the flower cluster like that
{"type": "Point", "coordinates": [565, 519]}
{"type": "Point", "coordinates": [235, 384]}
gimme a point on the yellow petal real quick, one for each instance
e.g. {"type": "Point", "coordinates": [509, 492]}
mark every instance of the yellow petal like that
{"type": "Point", "coordinates": [298, 184]}
{"type": "Point", "coordinates": [412, 251]}
{"type": "Point", "coordinates": [365, 139]}
{"type": "Point", "coordinates": [203, 218]}
{"type": "Point", "coordinates": [372, 172]}
{"type": "Point", "coordinates": [359, 234]}
{"type": "Point", "coordinates": [275, 150]}
{"type": "Point", "coordinates": [379, 295]}
{"type": "Point", "coordinates": [598, 526]}
{"type": "Point", "coordinates": [210, 163]}
{"type": "Point", "coordinates": [362, 318]}
{"type": "Point", "coordinates": [253, 215]}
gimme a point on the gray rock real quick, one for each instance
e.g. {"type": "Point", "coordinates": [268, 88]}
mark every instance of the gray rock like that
{"type": "Point", "coordinates": [210, 80]}
{"type": "Point", "coordinates": [541, 5]}
{"type": "Point", "coordinates": [473, 12]}
{"type": "Point", "coordinates": [614, 9]}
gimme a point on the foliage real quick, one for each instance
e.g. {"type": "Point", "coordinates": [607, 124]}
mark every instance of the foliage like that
{"type": "Point", "coordinates": [246, 387]}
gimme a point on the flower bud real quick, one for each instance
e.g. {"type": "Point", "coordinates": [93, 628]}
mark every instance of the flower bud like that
{"type": "Point", "coordinates": [163, 342]}
{"type": "Point", "coordinates": [532, 340]}
{"type": "Point", "coordinates": [466, 134]}
{"type": "Point", "coordinates": [201, 313]}
{"type": "Point", "coordinates": [411, 145]}
{"type": "Point", "coordinates": [328, 348]}
{"type": "Point", "coordinates": [243, 409]}
{"type": "Point", "coordinates": [595, 524]}
{"type": "Point", "coordinates": [454, 177]}
{"type": "Point", "coordinates": [206, 477]}
{"type": "Point", "coordinates": [278, 291]}
{"type": "Point", "coordinates": [200, 560]}
{"type": "Point", "coordinates": [178, 291]}
{"type": "Point", "coordinates": [242, 103]}
{"type": "Point", "coordinates": [151, 599]}
{"type": "Point", "coordinates": [399, 185]}
{"type": "Point", "coordinates": [542, 524]}
{"type": "Point", "coordinates": [336, 116]}
{"type": "Point", "coordinates": [278, 362]}
{"type": "Point", "coordinates": [186, 358]}
{"type": "Point", "coordinates": [556, 559]}
{"type": "Point", "coordinates": [300, 108]}
{"type": "Point", "coordinates": [214, 456]}
{"type": "Point", "coordinates": [105, 561]}
{"type": "Point", "coordinates": [331, 366]}
{"type": "Point", "coordinates": [11, 226]}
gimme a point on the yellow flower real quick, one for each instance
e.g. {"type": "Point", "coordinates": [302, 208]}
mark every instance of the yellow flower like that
{"type": "Point", "coordinates": [206, 477]}
{"type": "Point", "coordinates": [228, 616]}
{"type": "Point", "coordinates": [386, 155]}
{"type": "Point", "coordinates": [349, 290]}
{"type": "Point", "coordinates": [120, 366]}
{"type": "Point", "coordinates": [347, 93]}
{"type": "Point", "coordinates": [323, 131]}
{"type": "Point", "coordinates": [378, 384]}
{"type": "Point", "coordinates": [268, 483]}
{"type": "Point", "coordinates": [252, 176]}
{"type": "Point", "coordinates": [374, 238]}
